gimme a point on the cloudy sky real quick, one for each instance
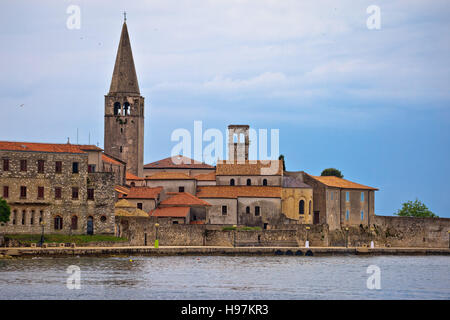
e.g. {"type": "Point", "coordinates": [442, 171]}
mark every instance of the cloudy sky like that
{"type": "Point", "coordinates": [373, 103]}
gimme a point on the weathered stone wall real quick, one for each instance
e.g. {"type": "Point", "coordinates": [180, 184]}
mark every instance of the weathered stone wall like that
{"type": "Point", "coordinates": [291, 198]}
{"type": "Point", "coordinates": [215, 215]}
{"type": "Point", "coordinates": [28, 212]}
{"type": "Point", "coordinates": [255, 180]}
{"type": "Point", "coordinates": [388, 231]}
{"type": "Point", "coordinates": [190, 186]}
{"type": "Point", "coordinates": [269, 211]}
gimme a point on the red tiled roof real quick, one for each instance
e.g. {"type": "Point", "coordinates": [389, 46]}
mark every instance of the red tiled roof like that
{"type": "Point", "coordinates": [336, 182]}
{"type": "Point", "coordinates": [89, 147]}
{"type": "Point", "coordinates": [197, 222]}
{"type": "Point", "coordinates": [231, 192]}
{"type": "Point", "coordinates": [250, 168]}
{"type": "Point", "coordinates": [211, 176]}
{"type": "Point", "coordinates": [122, 189]}
{"type": "Point", "coordinates": [40, 147]}
{"type": "Point", "coordinates": [142, 193]}
{"type": "Point", "coordinates": [178, 162]}
{"type": "Point", "coordinates": [183, 198]}
{"type": "Point", "coordinates": [176, 212]}
{"type": "Point", "coordinates": [106, 158]}
{"type": "Point", "coordinates": [169, 176]}
{"type": "Point", "coordinates": [130, 176]}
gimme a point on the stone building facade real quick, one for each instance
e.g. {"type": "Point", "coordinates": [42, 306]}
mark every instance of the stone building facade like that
{"type": "Point", "coordinates": [56, 188]}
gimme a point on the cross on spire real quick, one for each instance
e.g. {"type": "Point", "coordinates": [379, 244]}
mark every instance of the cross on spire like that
{"type": "Point", "coordinates": [124, 16]}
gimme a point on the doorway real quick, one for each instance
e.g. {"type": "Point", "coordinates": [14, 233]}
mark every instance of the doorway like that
{"type": "Point", "coordinates": [316, 218]}
{"type": "Point", "coordinates": [90, 225]}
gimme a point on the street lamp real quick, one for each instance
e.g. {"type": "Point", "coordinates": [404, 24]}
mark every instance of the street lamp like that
{"type": "Point", "coordinates": [372, 245]}
{"type": "Point", "coordinates": [156, 236]}
{"type": "Point", "coordinates": [307, 241]}
{"type": "Point", "coordinates": [41, 243]}
{"type": "Point", "coordinates": [346, 237]}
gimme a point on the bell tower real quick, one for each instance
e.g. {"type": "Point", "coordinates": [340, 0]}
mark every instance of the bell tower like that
{"type": "Point", "coordinates": [124, 110]}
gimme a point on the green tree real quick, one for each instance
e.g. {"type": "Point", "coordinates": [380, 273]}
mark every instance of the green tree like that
{"type": "Point", "coordinates": [281, 157]}
{"type": "Point", "coordinates": [5, 211]}
{"type": "Point", "coordinates": [415, 209]}
{"type": "Point", "coordinates": [332, 172]}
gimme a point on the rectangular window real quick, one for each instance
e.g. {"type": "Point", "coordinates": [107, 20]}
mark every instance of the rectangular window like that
{"type": "Point", "coordinates": [362, 215]}
{"type": "Point", "coordinates": [347, 215]}
{"type": "Point", "coordinates": [58, 193]}
{"type": "Point", "coordinates": [224, 210]}
{"type": "Point", "coordinates": [180, 189]}
{"type": "Point", "coordinates": [332, 195]}
{"type": "Point", "coordinates": [74, 193]}
{"type": "Point", "coordinates": [5, 192]}
{"type": "Point", "coordinates": [23, 192]}
{"type": "Point", "coordinates": [41, 166]}
{"type": "Point", "coordinates": [347, 196]}
{"type": "Point", "coordinates": [362, 196]}
{"type": "Point", "coordinates": [58, 166]}
{"type": "Point", "coordinates": [5, 164]}
{"type": "Point", "coordinates": [257, 211]}
{"type": "Point", "coordinates": [40, 192]}
{"type": "Point", "coordinates": [90, 194]}
{"type": "Point", "coordinates": [75, 167]}
{"type": "Point", "coordinates": [23, 165]}
{"type": "Point", "coordinates": [139, 205]}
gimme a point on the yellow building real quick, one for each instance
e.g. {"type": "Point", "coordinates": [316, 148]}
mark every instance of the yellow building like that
{"type": "Point", "coordinates": [297, 200]}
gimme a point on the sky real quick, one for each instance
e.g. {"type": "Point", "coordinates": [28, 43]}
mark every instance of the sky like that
{"type": "Point", "coordinates": [374, 103]}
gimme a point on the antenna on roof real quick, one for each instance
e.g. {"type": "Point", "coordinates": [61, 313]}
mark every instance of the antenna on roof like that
{"type": "Point", "coordinates": [68, 140]}
{"type": "Point", "coordinates": [77, 135]}
{"type": "Point", "coordinates": [89, 137]}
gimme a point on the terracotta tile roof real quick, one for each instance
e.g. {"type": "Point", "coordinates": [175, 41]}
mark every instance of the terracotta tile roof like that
{"type": "Point", "coordinates": [89, 147]}
{"type": "Point", "coordinates": [292, 182]}
{"type": "Point", "coordinates": [122, 189]}
{"type": "Point", "coordinates": [130, 176]}
{"type": "Point", "coordinates": [197, 222]}
{"type": "Point", "coordinates": [336, 182]}
{"type": "Point", "coordinates": [124, 204]}
{"type": "Point", "coordinates": [231, 192]}
{"type": "Point", "coordinates": [211, 176]}
{"type": "Point", "coordinates": [249, 168]}
{"type": "Point", "coordinates": [142, 193]}
{"type": "Point", "coordinates": [178, 162]}
{"type": "Point", "coordinates": [184, 199]}
{"type": "Point", "coordinates": [133, 213]}
{"type": "Point", "coordinates": [109, 159]}
{"type": "Point", "coordinates": [175, 212]}
{"type": "Point", "coordinates": [169, 176]}
{"type": "Point", "coordinates": [40, 147]}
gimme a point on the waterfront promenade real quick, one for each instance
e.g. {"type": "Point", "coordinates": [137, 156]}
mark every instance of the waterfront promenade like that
{"type": "Point", "coordinates": [214, 250]}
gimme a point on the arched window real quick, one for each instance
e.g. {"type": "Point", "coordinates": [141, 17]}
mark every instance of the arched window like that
{"type": "Point", "coordinates": [32, 217]}
{"type": "Point", "coordinates": [265, 182]}
{"type": "Point", "coordinates": [116, 108]}
{"type": "Point", "coordinates": [247, 210]}
{"type": "Point", "coordinates": [301, 207]}
{"type": "Point", "coordinates": [74, 223]}
{"type": "Point", "coordinates": [126, 109]}
{"type": "Point", "coordinates": [90, 225]}
{"type": "Point", "coordinates": [24, 217]}
{"type": "Point", "coordinates": [309, 209]}
{"type": "Point", "coordinates": [235, 138]}
{"type": "Point", "coordinates": [58, 221]}
{"type": "Point", "coordinates": [133, 184]}
{"type": "Point", "coordinates": [14, 217]}
{"type": "Point", "coordinates": [232, 182]}
{"type": "Point", "coordinates": [249, 182]}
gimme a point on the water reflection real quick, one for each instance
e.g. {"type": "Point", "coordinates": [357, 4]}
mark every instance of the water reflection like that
{"type": "Point", "coordinates": [219, 277]}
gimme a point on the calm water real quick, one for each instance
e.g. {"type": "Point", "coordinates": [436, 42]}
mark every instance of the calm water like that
{"type": "Point", "coordinates": [216, 277]}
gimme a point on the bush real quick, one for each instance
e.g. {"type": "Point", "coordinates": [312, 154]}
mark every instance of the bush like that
{"type": "Point", "coordinates": [332, 172]}
{"type": "Point", "coordinates": [415, 209]}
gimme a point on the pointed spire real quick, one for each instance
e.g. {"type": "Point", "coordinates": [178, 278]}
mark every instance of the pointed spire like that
{"type": "Point", "coordinates": [124, 79]}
